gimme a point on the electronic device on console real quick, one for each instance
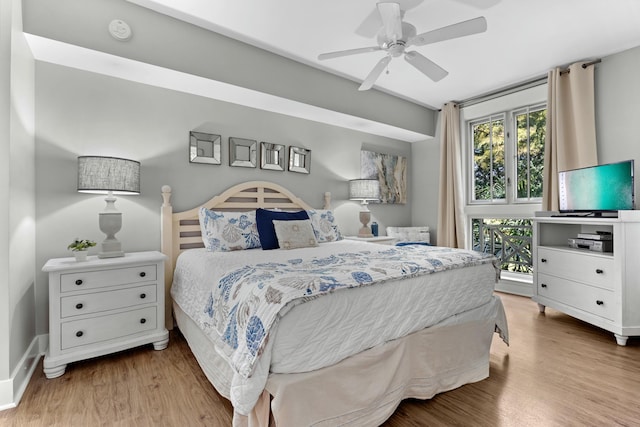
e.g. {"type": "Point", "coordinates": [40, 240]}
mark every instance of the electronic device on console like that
{"type": "Point", "coordinates": [600, 241]}
{"type": "Point", "coordinates": [600, 190]}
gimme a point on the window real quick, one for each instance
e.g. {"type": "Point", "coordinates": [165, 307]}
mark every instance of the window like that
{"type": "Point", "coordinates": [505, 169]}
{"type": "Point", "coordinates": [492, 148]}
{"type": "Point", "coordinates": [489, 177]}
{"type": "Point", "coordinates": [530, 129]}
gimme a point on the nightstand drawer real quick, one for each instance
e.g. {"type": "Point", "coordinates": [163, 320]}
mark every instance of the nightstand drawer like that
{"type": "Point", "coordinates": [578, 266]}
{"type": "Point", "coordinates": [103, 328]}
{"type": "Point", "coordinates": [97, 279]}
{"type": "Point", "coordinates": [102, 301]}
{"type": "Point", "coordinates": [587, 298]}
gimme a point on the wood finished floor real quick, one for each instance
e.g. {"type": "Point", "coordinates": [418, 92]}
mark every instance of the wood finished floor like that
{"type": "Point", "coordinates": [558, 371]}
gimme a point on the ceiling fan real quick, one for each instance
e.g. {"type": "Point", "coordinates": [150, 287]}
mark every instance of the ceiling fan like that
{"type": "Point", "coordinates": [396, 36]}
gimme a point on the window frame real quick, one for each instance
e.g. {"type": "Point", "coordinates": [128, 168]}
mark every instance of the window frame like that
{"type": "Point", "coordinates": [514, 123]}
{"type": "Point", "coordinates": [470, 159]}
{"type": "Point", "coordinates": [510, 156]}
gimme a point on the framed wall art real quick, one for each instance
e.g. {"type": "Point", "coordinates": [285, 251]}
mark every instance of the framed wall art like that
{"type": "Point", "coordinates": [204, 148]}
{"type": "Point", "coordinates": [243, 152]}
{"type": "Point", "coordinates": [272, 156]}
{"type": "Point", "coordinates": [299, 160]}
{"type": "Point", "coordinates": [390, 171]}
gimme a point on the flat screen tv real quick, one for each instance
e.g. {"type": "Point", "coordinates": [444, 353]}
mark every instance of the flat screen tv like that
{"type": "Point", "coordinates": [597, 189]}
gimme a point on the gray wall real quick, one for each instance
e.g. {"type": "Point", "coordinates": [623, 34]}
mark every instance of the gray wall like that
{"type": "Point", "coordinates": [164, 41]}
{"type": "Point", "coordinates": [5, 187]}
{"type": "Point", "coordinates": [83, 113]}
{"type": "Point", "coordinates": [425, 158]}
{"type": "Point", "coordinates": [617, 110]}
{"type": "Point", "coordinates": [17, 211]}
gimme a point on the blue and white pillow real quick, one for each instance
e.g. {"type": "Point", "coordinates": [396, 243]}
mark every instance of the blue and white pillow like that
{"type": "Point", "coordinates": [228, 231]}
{"type": "Point", "coordinates": [324, 225]}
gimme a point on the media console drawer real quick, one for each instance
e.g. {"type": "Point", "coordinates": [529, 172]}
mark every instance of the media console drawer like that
{"type": "Point", "coordinates": [578, 295]}
{"type": "Point", "coordinates": [580, 266]}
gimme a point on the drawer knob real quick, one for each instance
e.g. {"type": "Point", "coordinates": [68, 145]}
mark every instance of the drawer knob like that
{"type": "Point", "coordinates": [143, 320]}
{"type": "Point", "coordinates": [79, 282]}
{"type": "Point", "coordinates": [599, 271]}
{"type": "Point", "coordinates": [543, 260]}
{"type": "Point", "coordinates": [543, 285]}
{"type": "Point", "coordinates": [143, 296]}
{"type": "Point", "coordinates": [79, 334]}
{"type": "Point", "coordinates": [600, 302]}
{"type": "Point", "coordinates": [142, 274]}
{"type": "Point", "coordinates": [79, 306]}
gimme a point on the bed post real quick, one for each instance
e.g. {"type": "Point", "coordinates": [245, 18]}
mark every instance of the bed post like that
{"type": "Point", "coordinates": [327, 200]}
{"type": "Point", "coordinates": [166, 246]}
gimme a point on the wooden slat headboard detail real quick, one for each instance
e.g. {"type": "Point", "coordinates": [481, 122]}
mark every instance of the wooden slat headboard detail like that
{"type": "Point", "coordinates": [181, 230]}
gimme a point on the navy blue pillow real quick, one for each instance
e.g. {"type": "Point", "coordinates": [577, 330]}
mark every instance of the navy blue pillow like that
{"type": "Point", "coordinates": [264, 221]}
{"type": "Point", "coordinates": [413, 243]}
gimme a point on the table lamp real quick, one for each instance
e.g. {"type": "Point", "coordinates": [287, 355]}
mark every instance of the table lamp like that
{"type": "Point", "coordinates": [364, 190]}
{"type": "Point", "coordinates": [110, 176]}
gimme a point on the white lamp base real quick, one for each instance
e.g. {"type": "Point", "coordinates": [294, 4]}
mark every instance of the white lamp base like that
{"type": "Point", "coordinates": [111, 249]}
{"type": "Point", "coordinates": [365, 230]}
{"type": "Point", "coordinates": [110, 223]}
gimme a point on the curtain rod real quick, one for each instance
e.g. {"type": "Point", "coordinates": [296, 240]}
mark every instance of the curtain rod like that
{"type": "Point", "coordinates": [537, 81]}
{"type": "Point", "coordinates": [585, 65]}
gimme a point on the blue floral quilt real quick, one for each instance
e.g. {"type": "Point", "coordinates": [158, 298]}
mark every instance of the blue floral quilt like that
{"type": "Point", "coordinates": [247, 301]}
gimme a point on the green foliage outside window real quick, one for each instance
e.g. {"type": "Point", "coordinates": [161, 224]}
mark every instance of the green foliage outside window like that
{"type": "Point", "coordinates": [508, 239]}
{"type": "Point", "coordinates": [490, 175]}
{"type": "Point", "coordinates": [531, 130]}
{"type": "Point", "coordinates": [488, 160]}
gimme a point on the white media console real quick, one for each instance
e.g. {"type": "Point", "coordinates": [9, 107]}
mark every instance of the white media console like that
{"type": "Point", "coordinates": [601, 288]}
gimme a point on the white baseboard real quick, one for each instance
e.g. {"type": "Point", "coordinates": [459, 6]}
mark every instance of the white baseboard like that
{"type": "Point", "coordinates": [12, 389]}
{"type": "Point", "coordinates": [515, 287]}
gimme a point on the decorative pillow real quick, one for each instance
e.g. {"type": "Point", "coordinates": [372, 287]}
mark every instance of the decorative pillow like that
{"type": "Point", "coordinates": [295, 234]}
{"type": "Point", "coordinates": [228, 231]}
{"type": "Point", "coordinates": [264, 220]}
{"type": "Point", "coordinates": [324, 225]}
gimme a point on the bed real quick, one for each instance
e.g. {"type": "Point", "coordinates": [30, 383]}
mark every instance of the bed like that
{"type": "Point", "coordinates": [332, 333]}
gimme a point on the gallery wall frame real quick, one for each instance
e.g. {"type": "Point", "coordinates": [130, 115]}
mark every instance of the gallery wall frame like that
{"type": "Point", "coordinates": [272, 156]}
{"type": "Point", "coordinates": [205, 148]}
{"type": "Point", "coordinates": [299, 160]}
{"type": "Point", "coordinates": [243, 152]}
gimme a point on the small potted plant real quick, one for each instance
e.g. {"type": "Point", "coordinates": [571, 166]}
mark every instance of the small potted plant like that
{"type": "Point", "coordinates": [80, 247]}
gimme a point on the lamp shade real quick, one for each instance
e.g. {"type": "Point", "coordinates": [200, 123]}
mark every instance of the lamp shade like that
{"type": "Point", "coordinates": [364, 189]}
{"type": "Point", "coordinates": [97, 174]}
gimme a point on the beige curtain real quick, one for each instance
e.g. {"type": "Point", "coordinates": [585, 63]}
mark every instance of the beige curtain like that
{"type": "Point", "coordinates": [571, 130]}
{"type": "Point", "coordinates": [451, 230]}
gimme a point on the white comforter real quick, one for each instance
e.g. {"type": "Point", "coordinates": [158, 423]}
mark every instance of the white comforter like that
{"type": "Point", "coordinates": [307, 338]}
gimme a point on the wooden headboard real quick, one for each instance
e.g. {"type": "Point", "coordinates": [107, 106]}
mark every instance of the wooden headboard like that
{"type": "Point", "coordinates": [181, 230]}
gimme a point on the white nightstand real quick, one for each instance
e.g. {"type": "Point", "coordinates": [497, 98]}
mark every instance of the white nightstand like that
{"type": "Point", "coordinates": [101, 306]}
{"type": "Point", "coordinates": [383, 240]}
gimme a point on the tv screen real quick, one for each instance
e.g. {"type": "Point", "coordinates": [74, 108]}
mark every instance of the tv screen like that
{"type": "Point", "coordinates": [599, 188]}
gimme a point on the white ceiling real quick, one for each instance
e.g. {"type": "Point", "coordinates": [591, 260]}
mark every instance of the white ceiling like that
{"type": "Point", "coordinates": [523, 41]}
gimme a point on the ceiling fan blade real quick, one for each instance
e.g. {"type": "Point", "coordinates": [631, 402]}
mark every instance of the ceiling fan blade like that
{"type": "Point", "coordinates": [391, 20]}
{"type": "Point", "coordinates": [461, 29]}
{"type": "Point", "coordinates": [426, 66]}
{"type": "Point", "coordinates": [340, 53]}
{"type": "Point", "coordinates": [375, 73]}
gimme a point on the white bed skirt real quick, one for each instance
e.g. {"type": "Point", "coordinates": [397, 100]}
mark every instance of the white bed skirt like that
{"type": "Point", "coordinates": [365, 389]}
